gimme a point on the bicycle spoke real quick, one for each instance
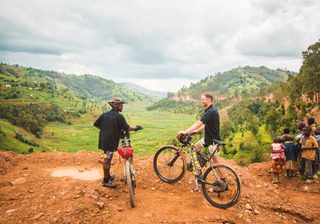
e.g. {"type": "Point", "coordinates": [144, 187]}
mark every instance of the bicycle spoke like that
{"type": "Point", "coordinates": [221, 186]}
{"type": "Point", "coordinates": [168, 164]}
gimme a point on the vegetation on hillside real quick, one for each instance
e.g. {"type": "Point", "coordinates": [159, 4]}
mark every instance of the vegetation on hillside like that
{"type": "Point", "coordinates": [260, 117]}
{"type": "Point", "coordinates": [238, 82]}
{"type": "Point", "coordinates": [228, 88]}
{"type": "Point", "coordinates": [31, 98]}
{"type": "Point", "coordinates": [60, 109]}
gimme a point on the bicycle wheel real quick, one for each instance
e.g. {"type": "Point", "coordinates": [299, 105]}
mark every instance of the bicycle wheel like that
{"type": "Point", "coordinates": [169, 164]}
{"type": "Point", "coordinates": [129, 183]}
{"type": "Point", "coordinates": [221, 186]}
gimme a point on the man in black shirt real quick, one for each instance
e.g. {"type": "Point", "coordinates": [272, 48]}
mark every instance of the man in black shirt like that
{"type": "Point", "coordinates": [210, 123]}
{"type": "Point", "coordinates": [111, 125]}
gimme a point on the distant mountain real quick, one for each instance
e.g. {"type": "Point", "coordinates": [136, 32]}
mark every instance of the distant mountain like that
{"type": "Point", "coordinates": [97, 87]}
{"type": "Point", "coordinates": [241, 81]}
{"type": "Point", "coordinates": [31, 98]}
{"type": "Point", "coordinates": [84, 86]}
{"type": "Point", "coordinates": [143, 90]}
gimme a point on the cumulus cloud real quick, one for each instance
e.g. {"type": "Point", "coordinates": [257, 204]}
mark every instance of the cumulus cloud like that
{"type": "Point", "coordinates": [148, 41]}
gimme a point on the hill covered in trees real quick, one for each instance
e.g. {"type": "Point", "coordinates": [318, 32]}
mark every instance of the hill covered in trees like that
{"type": "Point", "coordinates": [236, 84]}
{"type": "Point", "coordinates": [137, 88]}
{"type": "Point", "coordinates": [240, 81]}
{"type": "Point", "coordinates": [87, 86]}
{"type": "Point", "coordinates": [259, 102]}
{"type": "Point", "coordinates": [30, 98]}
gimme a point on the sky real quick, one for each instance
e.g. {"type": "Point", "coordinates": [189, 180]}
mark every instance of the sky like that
{"type": "Point", "coordinates": [161, 45]}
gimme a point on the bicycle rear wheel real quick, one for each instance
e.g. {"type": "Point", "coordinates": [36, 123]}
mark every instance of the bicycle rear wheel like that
{"type": "Point", "coordinates": [221, 186]}
{"type": "Point", "coordinates": [129, 180]}
{"type": "Point", "coordinates": [168, 164]}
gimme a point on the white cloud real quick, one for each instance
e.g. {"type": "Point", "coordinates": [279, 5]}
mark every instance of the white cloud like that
{"type": "Point", "coordinates": [154, 41]}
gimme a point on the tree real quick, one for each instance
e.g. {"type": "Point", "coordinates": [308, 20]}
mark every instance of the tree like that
{"type": "Point", "coordinates": [227, 129]}
{"type": "Point", "coordinates": [253, 124]}
{"type": "Point", "coordinates": [310, 71]}
{"type": "Point", "coordinates": [273, 121]}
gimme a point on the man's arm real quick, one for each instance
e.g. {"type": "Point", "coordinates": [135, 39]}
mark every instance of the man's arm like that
{"type": "Point", "coordinates": [196, 127]}
{"type": "Point", "coordinates": [97, 123]}
{"type": "Point", "coordinates": [126, 127]}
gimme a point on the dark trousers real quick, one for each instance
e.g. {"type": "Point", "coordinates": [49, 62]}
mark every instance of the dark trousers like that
{"type": "Point", "coordinates": [306, 167]}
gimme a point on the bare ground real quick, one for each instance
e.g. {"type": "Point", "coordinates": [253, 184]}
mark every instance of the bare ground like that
{"type": "Point", "coordinates": [30, 194]}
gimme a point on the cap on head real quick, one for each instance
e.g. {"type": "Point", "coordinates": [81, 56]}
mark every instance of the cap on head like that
{"type": "Point", "coordinates": [115, 101]}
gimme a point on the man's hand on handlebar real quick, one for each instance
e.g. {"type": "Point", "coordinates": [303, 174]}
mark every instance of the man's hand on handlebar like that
{"type": "Point", "coordinates": [187, 133]}
{"type": "Point", "coordinates": [138, 128]}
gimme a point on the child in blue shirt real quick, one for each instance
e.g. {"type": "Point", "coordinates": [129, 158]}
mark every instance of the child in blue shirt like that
{"type": "Point", "coordinates": [291, 152]}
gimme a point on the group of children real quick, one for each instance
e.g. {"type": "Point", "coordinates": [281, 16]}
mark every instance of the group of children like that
{"type": "Point", "coordinates": [299, 156]}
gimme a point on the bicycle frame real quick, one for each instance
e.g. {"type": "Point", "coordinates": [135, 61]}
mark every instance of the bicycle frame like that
{"type": "Point", "coordinates": [220, 184]}
{"type": "Point", "coordinates": [187, 151]}
{"type": "Point", "coordinates": [129, 172]}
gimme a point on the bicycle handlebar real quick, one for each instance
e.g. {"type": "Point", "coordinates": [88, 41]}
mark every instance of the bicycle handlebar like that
{"type": "Point", "coordinates": [138, 128]}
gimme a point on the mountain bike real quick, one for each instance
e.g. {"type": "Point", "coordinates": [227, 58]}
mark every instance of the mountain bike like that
{"type": "Point", "coordinates": [220, 184]}
{"type": "Point", "coordinates": [126, 152]}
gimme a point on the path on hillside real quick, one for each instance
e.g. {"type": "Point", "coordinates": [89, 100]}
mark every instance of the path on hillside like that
{"type": "Point", "coordinates": [29, 194]}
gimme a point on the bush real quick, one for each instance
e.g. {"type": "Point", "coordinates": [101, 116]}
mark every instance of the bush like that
{"type": "Point", "coordinates": [21, 138]}
{"type": "Point", "coordinates": [2, 134]}
{"type": "Point", "coordinates": [32, 117]}
{"type": "Point", "coordinates": [256, 155]}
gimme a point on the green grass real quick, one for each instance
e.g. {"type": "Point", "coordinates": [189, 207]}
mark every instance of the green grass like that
{"type": "Point", "coordinates": [8, 141]}
{"type": "Point", "coordinates": [265, 137]}
{"type": "Point", "coordinates": [159, 128]}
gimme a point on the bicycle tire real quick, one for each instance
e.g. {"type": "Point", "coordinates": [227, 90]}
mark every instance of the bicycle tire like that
{"type": "Point", "coordinates": [129, 183]}
{"type": "Point", "coordinates": [168, 158]}
{"type": "Point", "coordinates": [230, 189]}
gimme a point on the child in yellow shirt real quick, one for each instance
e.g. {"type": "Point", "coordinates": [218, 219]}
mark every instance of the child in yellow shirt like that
{"type": "Point", "coordinates": [309, 146]}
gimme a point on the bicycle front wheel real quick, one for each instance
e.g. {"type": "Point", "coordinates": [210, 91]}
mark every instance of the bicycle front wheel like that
{"type": "Point", "coordinates": [129, 180]}
{"type": "Point", "coordinates": [169, 164]}
{"type": "Point", "coordinates": [221, 186]}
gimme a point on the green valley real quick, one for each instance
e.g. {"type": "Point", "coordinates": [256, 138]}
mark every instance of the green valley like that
{"type": "Point", "coordinates": [51, 111]}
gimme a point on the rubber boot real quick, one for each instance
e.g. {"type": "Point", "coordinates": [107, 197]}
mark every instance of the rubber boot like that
{"type": "Point", "coordinates": [107, 180]}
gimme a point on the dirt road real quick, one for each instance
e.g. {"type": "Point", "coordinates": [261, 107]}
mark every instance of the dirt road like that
{"type": "Point", "coordinates": [33, 191]}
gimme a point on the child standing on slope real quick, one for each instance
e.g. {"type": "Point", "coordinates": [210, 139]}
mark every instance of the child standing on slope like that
{"type": "Point", "coordinates": [291, 153]}
{"type": "Point", "coordinates": [317, 132]}
{"type": "Point", "coordinates": [309, 146]}
{"type": "Point", "coordinates": [278, 157]}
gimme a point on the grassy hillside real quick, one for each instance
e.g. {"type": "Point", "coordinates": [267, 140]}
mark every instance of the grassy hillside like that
{"type": "Point", "coordinates": [31, 98]}
{"type": "Point", "coordinates": [46, 110]}
{"type": "Point", "coordinates": [8, 140]}
{"type": "Point", "coordinates": [241, 81]}
{"type": "Point", "coordinates": [238, 83]}
{"type": "Point", "coordinates": [90, 86]}
{"type": "Point", "coordinates": [139, 89]}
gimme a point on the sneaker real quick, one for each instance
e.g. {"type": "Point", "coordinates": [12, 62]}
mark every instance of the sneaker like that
{"type": "Point", "coordinates": [315, 177]}
{"type": "Point", "coordinates": [109, 184]}
{"type": "Point", "coordinates": [308, 181]}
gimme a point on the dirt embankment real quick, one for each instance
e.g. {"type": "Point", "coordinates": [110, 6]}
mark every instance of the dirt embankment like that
{"type": "Point", "coordinates": [30, 194]}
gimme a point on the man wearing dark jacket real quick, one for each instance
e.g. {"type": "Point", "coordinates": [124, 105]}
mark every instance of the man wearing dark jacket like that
{"type": "Point", "coordinates": [111, 124]}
